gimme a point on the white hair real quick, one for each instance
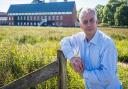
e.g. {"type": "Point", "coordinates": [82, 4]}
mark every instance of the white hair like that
{"type": "Point", "coordinates": [85, 11]}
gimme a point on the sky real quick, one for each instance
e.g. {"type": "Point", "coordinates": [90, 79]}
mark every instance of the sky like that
{"type": "Point", "coordinates": [4, 4]}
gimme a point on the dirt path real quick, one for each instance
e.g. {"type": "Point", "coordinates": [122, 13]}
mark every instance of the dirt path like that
{"type": "Point", "coordinates": [125, 65]}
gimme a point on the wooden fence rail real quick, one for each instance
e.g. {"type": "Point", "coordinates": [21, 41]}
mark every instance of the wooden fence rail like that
{"type": "Point", "coordinates": [57, 68]}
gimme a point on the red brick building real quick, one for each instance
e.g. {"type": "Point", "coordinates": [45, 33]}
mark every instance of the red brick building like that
{"type": "Point", "coordinates": [43, 14]}
{"type": "Point", "coordinates": [3, 18]}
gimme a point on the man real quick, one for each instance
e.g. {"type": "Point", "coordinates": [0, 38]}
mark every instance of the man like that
{"type": "Point", "coordinates": [92, 54]}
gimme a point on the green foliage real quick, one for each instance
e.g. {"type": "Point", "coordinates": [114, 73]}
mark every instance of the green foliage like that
{"type": "Point", "coordinates": [99, 10]}
{"type": "Point", "coordinates": [114, 13]}
{"type": "Point", "coordinates": [122, 69]}
{"type": "Point", "coordinates": [121, 18]}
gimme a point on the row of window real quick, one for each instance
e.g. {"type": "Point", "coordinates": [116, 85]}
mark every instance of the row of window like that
{"type": "Point", "coordinates": [10, 18]}
{"type": "Point", "coordinates": [3, 22]}
{"type": "Point", "coordinates": [3, 18]}
{"type": "Point", "coordinates": [34, 23]}
{"type": "Point", "coordinates": [37, 17]}
{"type": "Point", "coordinates": [41, 13]}
{"type": "Point", "coordinates": [11, 23]}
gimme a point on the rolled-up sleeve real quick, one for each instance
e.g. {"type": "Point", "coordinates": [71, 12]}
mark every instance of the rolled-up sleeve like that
{"type": "Point", "coordinates": [107, 69]}
{"type": "Point", "coordinates": [68, 45]}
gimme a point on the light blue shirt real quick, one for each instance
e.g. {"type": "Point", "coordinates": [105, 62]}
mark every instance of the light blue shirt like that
{"type": "Point", "coordinates": [99, 57]}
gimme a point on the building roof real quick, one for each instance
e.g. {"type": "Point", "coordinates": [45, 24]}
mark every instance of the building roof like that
{"type": "Point", "coordinates": [42, 7]}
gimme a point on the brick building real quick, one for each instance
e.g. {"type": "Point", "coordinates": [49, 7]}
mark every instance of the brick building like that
{"type": "Point", "coordinates": [3, 18]}
{"type": "Point", "coordinates": [43, 14]}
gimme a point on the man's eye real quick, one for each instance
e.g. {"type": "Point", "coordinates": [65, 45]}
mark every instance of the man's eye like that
{"type": "Point", "coordinates": [85, 22]}
{"type": "Point", "coordinates": [91, 20]}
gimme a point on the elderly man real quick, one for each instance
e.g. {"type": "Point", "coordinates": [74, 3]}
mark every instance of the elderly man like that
{"type": "Point", "coordinates": [92, 53]}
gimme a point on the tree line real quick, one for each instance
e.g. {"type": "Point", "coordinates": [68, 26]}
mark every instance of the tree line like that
{"type": "Point", "coordinates": [114, 13]}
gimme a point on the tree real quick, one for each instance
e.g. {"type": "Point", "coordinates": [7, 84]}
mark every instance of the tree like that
{"type": "Point", "coordinates": [99, 10]}
{"type": "Point", "coordinates": [107, 14]}
{"type": "Point", "coordinates": [109, 11]}
{"type": "Point", "coordinates": [112, 1]}
{"type": "Point", "coordinates": [121, 15]}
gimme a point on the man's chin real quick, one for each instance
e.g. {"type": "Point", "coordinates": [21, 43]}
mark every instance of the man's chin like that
{"type": "Point", "coordinates": [89, 30]}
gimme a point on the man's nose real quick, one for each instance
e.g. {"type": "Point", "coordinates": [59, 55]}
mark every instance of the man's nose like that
{"type": "Point", "coordinates": [88, 24]}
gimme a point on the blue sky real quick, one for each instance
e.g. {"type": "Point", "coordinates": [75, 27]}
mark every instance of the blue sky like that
{"type": "Point", "coordinates": [4, 4]}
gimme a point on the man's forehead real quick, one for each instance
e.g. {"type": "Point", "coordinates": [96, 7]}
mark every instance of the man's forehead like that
{"type": "Point", "coordinates": [88, 15]}
{"type": "Point", "coordinates": [92, 13]}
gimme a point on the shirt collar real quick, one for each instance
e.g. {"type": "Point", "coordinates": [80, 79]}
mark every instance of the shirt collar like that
{"type": "Point", "coordinates": [94, 40]}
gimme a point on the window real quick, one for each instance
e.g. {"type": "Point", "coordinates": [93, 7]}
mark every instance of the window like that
{"type": "Point", "coordinates": [34, 23]}
{"type": "Point", "coordinates": [31, 24]}
{"type": "Point", "coordinates": [24, 23]}
{"type": "Point", "coordinates": [45, 17]}
{"type": "Point", "coordinates": [57, 17]}
{"type": "Point", "coordinates": [57, 24]}
{"type": "Point", "coordinates": [61, 17]}
{"type": "Point", "coordinates": [42, 17]}
{"type": "Point", "coordinates": [9, 18]}
{"type": "Point", "coordinates": [24, 17]}
{"type": "Point", "coordinates": [34, 17]}
{"type": "Point", "coordinates": [49, 17]}
{"type": "Point", "coordinates": [30, 17]}
{"type": "Point", "coordinates": [12, 18]}
{"type": "Point", "coordinates": [61, 23]}
{"type": "Point", "coordinates": [18, 23]}
{"type": "Point", "coordinates": [53, 17]}
{"type": "Point", "coordinates": [21, 17]}
{"type": "Point", "coordinates": [9, 23]}
{"type": "Point", "coordinates": [18, 18]}
{"type": "Point", "coordinates": [21, 23]}
{"type": "Point", "coordinates": [53, 24]}
{"type": "Point", "coordinates": [27, 17]}
{"type": "Point", "coordinates": [12, 23]}
{"type": "Point", "coordinates": [27, 23]}
{"type": "Point", "coordinates": [38, 17]}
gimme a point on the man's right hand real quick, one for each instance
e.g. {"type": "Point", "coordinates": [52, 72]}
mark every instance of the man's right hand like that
{"type": "Point", "coordinates": [77, 64]}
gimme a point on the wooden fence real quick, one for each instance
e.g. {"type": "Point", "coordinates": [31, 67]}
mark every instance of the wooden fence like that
{"type": "Point", "coordinates": [57, 68]}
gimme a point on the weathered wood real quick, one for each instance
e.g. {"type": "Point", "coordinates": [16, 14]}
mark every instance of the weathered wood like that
{"type": "Point", "coordinates": [62, 70]}
{"type": "Point", "coordinates": [35, 77]}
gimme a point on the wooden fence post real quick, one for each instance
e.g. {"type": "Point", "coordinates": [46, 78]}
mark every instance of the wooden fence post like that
{"type": "Point", "coordinates": [62, 77]}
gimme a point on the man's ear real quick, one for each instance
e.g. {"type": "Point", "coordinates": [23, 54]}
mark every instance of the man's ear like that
{"type": "Point", "coordinates": [81, 26]}
{"type": "Point", "coordinates": [97, 22]}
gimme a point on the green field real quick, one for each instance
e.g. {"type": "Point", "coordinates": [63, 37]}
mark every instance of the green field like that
{"type": "Point", "coordinates": [25, 49]}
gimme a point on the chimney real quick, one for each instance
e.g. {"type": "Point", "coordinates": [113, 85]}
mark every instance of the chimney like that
{"type": "Point", "coordinates": [65, 0]}
{"type": "Point", "coordinates": [53, 1]}
{"type": "Point", "coordinates": [37, 1]}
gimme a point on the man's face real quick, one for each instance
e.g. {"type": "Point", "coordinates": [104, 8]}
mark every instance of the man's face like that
{"type": "Point", "coordinates": [89, 23]}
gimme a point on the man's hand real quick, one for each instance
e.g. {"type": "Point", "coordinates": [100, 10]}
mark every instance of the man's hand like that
{"type": "Point", "coordinates": [77, 64]}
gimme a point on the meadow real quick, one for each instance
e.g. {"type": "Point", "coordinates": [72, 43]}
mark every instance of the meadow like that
{"type": "Point", "coordinates": [25, 49]}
